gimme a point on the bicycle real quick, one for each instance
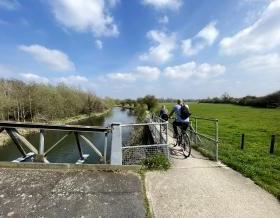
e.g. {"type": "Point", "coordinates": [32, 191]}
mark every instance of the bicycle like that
{"type": "Point", "coordinates": [183, 140]}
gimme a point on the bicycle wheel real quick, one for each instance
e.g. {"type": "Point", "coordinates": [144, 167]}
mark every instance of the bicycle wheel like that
{"type": "Point", "coordinates": [186, 145]}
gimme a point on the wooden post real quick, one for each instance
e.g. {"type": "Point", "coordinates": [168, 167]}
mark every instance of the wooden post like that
{"type": "Point", "coordinates": [271, 150]}
{"type": "Point", "coordinates": [242, 141]}
{"type": "Point", "coordinates": [195, 130]}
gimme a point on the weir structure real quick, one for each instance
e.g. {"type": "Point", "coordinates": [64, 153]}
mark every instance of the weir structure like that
{"type": "Point", "coordinates": [124, 151]}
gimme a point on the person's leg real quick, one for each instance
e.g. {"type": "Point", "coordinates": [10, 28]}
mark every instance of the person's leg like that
{"type": "Point", "coordinates": [185, 126]}
{"type": "Point", "coordinates": [175, 130]}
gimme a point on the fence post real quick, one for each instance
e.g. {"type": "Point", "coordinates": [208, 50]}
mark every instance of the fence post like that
{"type": "Point", "coordinates": [242, 141]}
{"type": "Point", "coordinates": [217, 139]}
{"type": "Point", "coordinates": [116, 148]}
{"type": "Point", "coordinates": [195, 130]}
{"type": "Point", "coordinates": [271, 150]}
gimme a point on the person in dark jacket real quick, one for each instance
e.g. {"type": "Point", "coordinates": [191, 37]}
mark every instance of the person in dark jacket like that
{"type": "Point", "coordinates": [163, 114]}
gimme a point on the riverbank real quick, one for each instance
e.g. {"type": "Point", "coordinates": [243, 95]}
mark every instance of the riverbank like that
{"type": "Point", "coordinates": [80, 117]}
{"type": "Point", "coordinates": [4, 137]}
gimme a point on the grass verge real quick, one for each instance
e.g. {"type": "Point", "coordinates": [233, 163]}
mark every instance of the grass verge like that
{"type": "Point", "coordinates": [258, 124]}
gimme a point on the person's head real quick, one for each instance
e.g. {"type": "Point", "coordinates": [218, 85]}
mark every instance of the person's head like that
{"type": "Point", "coordinates": [179, 101]}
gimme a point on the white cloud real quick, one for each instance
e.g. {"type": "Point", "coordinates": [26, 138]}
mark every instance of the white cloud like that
{"type": "Point", "coordinates": [99, 44]}
{"type": "Point", "coordinates": [55, 59]}
{"type": "Point", "coordinates": [263, 63]}
{"type": "Point", "coordinates": [72, 80]}
{"type": "Point", "coordinates": [121, 77]}
{"type": "Point", "coordinates": [206, 70]}
{"type": "Point", "coordinates": [164, 4]}
{"type": "Point", "coordinates": [261, 36]}
{"type": "Point", "coordinates": [209, 33]}
{"type": "Point", "coordinates": [205, 37]}
{"type": "Point", "coordinates": [30, 77]}
{"type": "Point", "coordinates": [162, 51]}
{"type": "Point", "coordinates": [163, 20]}
{"type": "Point", "coordinates": [192, 69]}
{"type": "Point", "coordinates": [9, 4]}
{"type": "Point", "coordinates": [86, 15]}
{"type": "Point", "coordinates": [149, 73]}
{"type": "Point", "coordinates": [141, 72]}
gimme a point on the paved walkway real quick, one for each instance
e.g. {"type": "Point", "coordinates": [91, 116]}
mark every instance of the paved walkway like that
{"type": "Point", "coordinates": [49, 193]}
{"type": "Point", "coordinates": [197, 187]}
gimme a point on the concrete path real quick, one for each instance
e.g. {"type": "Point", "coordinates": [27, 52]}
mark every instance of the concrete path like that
{"type": "Point", "coordinates": [197, 187]}
{"type": "Point", "coordinates": [49, 193]}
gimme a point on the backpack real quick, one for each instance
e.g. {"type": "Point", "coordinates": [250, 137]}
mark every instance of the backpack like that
{"type": "Point", "coordinates": [185, 113]}
{"type": "Point", "coordinates": [164, 117]}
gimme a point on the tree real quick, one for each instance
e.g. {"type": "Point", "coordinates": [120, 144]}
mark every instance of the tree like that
{"type": "Point", "coordinates": [150, 101]}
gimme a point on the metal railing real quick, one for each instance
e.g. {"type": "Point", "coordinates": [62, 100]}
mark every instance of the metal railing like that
{"type": "Point", "coordinates": [209, 143]}
{"type": "Point", "coordinates": [123, 150]}
{"type": "Point", "coordinates": [40, 154]}
{"type": "Point", "coordinates": [131, 150]}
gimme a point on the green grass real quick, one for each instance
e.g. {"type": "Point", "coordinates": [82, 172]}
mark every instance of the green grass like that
{"type": "Point", "coordinates": [258, 124]}
{"type": "Point", "coordinates": [156, 162]}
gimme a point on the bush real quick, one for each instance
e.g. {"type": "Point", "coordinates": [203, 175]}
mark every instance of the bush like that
{"type": "Point", "coordinates": [156, 162]}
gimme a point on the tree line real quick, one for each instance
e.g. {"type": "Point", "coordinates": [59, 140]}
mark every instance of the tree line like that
{"type": "Point", "coordinates": [21, 101]}
{"type": "Point", "coordinates": [269, 101]}
{"type": "Point", "coordinates": [140, 105]}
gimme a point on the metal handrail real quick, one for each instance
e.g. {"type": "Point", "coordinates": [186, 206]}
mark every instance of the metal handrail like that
{"type": "Point", "coordinates": [76, 128]}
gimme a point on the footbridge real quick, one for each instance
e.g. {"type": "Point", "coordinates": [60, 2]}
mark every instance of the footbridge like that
{"type": "Point", "coordinates": [124, 144]}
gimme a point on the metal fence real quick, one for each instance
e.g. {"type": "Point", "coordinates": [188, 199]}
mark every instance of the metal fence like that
{"type": "Point", "coordinates": [204, 136]}
{"type": "Point", "coordinates": [143, 140]}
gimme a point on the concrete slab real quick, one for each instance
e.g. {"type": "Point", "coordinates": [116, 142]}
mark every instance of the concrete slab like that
{"type": "Point", "coordinates": [197, 187]}
{"type": "Point", "coordinates": [49, 193]}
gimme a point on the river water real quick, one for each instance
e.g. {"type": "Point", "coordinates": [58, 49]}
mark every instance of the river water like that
{"type": "Point", "coordinates": [67, 151]}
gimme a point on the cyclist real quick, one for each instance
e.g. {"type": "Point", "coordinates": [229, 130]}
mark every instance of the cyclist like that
{"type": "Point", "coordinates": [182, 119]}
{"type": "Point", "coordinates": [163, 114]}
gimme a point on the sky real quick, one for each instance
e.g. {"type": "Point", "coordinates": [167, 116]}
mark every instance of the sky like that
{"type": "Point", "coordinates": [131, 48]}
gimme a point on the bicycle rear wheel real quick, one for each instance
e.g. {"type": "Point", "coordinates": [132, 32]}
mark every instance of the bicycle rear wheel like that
{"type": "Point", "coordinates": [186, 145]}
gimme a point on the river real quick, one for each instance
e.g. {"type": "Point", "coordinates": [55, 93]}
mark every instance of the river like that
{"type": "Point", "coordinates": [67, 151]}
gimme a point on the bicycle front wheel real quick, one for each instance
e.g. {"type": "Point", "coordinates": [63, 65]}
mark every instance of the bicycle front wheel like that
{"type": "Point", "coordinates": [186, 145]}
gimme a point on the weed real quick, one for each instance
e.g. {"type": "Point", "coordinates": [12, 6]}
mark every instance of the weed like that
{"type": "Point", "coordinates": [156, 162]}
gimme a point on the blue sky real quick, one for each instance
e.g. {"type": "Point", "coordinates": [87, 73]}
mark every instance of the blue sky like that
{"type": "Point", "coordinates": [130, 48]}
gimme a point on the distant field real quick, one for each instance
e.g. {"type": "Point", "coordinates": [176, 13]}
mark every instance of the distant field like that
{"type": "Point", "coordinates": [258, 125]}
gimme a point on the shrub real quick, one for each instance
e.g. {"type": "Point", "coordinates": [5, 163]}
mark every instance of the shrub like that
{"type": "Point", "coordinates": [156, 162]}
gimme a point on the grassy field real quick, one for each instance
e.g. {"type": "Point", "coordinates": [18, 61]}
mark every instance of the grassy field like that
{"type": "Point", "coordinates": [258, 125]}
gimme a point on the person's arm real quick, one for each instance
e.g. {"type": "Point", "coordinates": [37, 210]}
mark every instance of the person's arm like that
{"type": "Point", "coordinates": [172, 112]}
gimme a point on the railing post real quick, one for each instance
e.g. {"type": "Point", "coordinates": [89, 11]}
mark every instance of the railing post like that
{"type": "Point", "coordinates": [40, 157]}
{"type": "Point", "coordinates": [105, 147]}
{"type": "Point", "coordinates": [217, 139]}
{"type": "Point", "coordinates": [160, 136]}
{"type": "Point", "coordinates": [166, 132]}
{"type": "Point", "coordinates": [42, 142]}
{"type": "Point", "coordinates": [116, 148]}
